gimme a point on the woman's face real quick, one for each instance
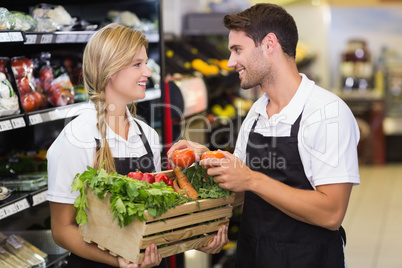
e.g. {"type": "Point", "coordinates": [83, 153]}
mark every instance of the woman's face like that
{"type": "Point", "coordinates": [128, 84]}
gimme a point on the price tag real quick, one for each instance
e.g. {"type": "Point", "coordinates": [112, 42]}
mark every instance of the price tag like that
{"type": "Point", "coordinates": [35, 119]}
{"type": "Point", "coordinates": [31, 38]}
{"type": "Point", "coordinates": [21, 205]}
{"type": "Point", "coordinates": [46, 39]}
{"type": "Point", "coordinates": [54, 115]}
{"type": "Point", "coordinates": [82, 38]}
{"type": "Point", "coordinates": [4, 37]}
{"type": "Point", "coordinates": [5, 125]}
{"type": "Point", "coordinates": [18, 122]}
{"type": "Point", "coordinates": [16, 36]}
{"type": "Point", "coordinates": [61, 38]}
{"type": "Point", "coordinates": [71, 38]}
{"type": "Point", "coordinates": [14, 208]}
{"type": "Point", "coordinates": [39, 198]}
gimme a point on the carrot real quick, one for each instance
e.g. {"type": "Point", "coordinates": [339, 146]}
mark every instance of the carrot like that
{"type": "Point", "coordinates": [176, 187]}
{"type": "Point", "coordinates": [185, 184]}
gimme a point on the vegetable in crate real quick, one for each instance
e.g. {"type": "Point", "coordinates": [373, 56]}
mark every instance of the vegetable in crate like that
{"type": "Point", "coordinates": [204, 184]}
{"type": "Point", "coordinates": [128, 198]}
{"type": "Point", "coordinates": [183, 158]}
{"type": "Point", "coordinates": [211, 154]}
{"type": "Point", "coordinates": [184, 184]}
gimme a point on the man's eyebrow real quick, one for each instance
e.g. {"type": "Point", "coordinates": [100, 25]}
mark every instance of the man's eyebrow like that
{"type": "Point", "coordinates": [233, 47]}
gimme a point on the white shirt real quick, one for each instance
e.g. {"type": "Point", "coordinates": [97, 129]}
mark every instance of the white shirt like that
{"type": "Point", "coordinates": [74, 149]}
{"type": "Point", "coordinates": [327, 138]}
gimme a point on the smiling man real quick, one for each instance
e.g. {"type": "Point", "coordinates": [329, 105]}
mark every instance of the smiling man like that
{"type": "Point", "coordinates": [296, 154]}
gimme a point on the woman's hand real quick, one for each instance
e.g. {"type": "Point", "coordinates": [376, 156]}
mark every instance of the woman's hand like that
{"type": "Point", "coordinates": [151, 259]}
{"type": "Point", "coordinates": [183, 144]}
{"type": "Point", "coordinates": [220, 240]}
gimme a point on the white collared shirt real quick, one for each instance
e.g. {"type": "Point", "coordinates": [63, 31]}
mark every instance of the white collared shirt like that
{"type": "Point", "coordinates": [74, 149]}
{"type": "Point", "coordinates": [327, 138]}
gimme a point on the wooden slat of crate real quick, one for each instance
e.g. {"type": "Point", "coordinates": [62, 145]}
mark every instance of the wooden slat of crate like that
{"type": "Point", "coordinates": [182, 246]}
{"type": "Point", "coordinates": [190, 219]}
{"type": "Point", "coordinates": [182, 233]}
{"type": "Point", "coordinates": [192, 206]}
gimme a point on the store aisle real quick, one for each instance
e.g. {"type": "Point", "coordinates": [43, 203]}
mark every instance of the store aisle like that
{"type": "Point", "coordinates": [373, 221]}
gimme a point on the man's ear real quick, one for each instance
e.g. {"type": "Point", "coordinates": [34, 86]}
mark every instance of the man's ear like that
{"type": "Point", "coordinates": [270, 41]}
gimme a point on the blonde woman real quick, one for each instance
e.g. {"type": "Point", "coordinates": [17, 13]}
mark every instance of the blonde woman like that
{"type": "Point", "coordinates": [115, 74]}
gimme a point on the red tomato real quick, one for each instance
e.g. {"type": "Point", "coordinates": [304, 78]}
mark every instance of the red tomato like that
{"type": "Point", "coordinates": [37, 96]}
{"type": "Point", "coordinates": [28, 65]}
{"type": "Point", "coordinates": [170, 182]}
{"type": "Point", "coordinates": [18, 67]}
{"type": "Point", "coordinates": [183, 158]}
{"type": "Point", "coordinates": [46, 77]}
{"type": "Point", "coordinates": [162, 178]}
{"type": "Point", "coordinates": [59, 98]}
{"type": "Point", "coordinates": [148, 178]}
{"type": "Point", "coordinates": [211, 154]}
{"type": "Point", "coordinates": [136, 175]}
{"type": "Point", "coordinates": [28, 103]}
{"type": "Point", "coordinates": [23, 85]}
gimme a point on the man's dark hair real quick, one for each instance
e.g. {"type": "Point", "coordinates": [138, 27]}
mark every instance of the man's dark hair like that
{"type": "Point", "coordinates": [262, 19]}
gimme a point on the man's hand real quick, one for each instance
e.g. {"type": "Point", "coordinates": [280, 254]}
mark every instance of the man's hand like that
{"type": "Point", "coordinates": [230, 172]}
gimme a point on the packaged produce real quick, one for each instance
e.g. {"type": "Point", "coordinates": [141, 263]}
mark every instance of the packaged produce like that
{"type": "Point", "coordinates": [15, 245]}
{"type": "Point", "coordinates": [20, 163]}
{"type": "Point", "coordinates": [8, 100]}
{"type": "Point", "coordinates": [54, 81]}
{"type": "Point", "coordinates": [52, 18]}
{"type": "Point", "coordinates": [4, 193]}
{"type": "Point", "coordinates": [4, 19]}
{"type": "Point", "coordinates": [27, 182]}
{"type": "Point", "coordinates": [31, 98]}
{"type": "Point", "coordinates": [21, 21]}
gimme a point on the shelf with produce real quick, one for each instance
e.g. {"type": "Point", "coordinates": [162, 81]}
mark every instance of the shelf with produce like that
{"type": "Point", "coordinates": [41, 116]}
{"type": "Point", "coordinates": [19, 201]}
{"type": "Point", "coordinates": [60, 37]}
{"type": "Point", "coordinates": [62, 112]}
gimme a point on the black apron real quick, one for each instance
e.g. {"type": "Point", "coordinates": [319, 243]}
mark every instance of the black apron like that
{"type": "Point", "coordinates": [124, 165]}
{"type": "Point", "coordinates": [268, 237]}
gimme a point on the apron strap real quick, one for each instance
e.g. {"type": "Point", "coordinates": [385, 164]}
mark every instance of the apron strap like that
{"type": "Point", "coordinates": [145, 140]}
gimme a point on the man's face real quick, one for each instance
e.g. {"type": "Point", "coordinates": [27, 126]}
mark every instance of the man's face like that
{"type": "Point", "coordinates": [248, 60]}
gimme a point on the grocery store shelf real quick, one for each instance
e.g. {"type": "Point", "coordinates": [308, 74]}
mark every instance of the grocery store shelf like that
{"type": "Point", "coordinates": [42, 38]}
{"type": "Point", "coordinates": [37, 117]}
{"type": "Point", "coordinates": [52, 114]}
{"type": "Point", "coordinates": [11, 36]}
{"type": "Point", "coordinates": [19, 201]}
{"type": "Point", "coordinates": [56, 113]}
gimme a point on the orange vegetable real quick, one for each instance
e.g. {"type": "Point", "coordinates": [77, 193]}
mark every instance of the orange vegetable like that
{"type": "Point", "coordinates": [176, 187]}
{"type": "Point", "coordinates": [185, 184]}
{"type": "Point", "coordinates": [211, 154]}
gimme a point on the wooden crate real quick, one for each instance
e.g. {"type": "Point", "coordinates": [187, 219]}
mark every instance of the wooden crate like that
{"type": "Point", "coordinates": [187, 226]}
